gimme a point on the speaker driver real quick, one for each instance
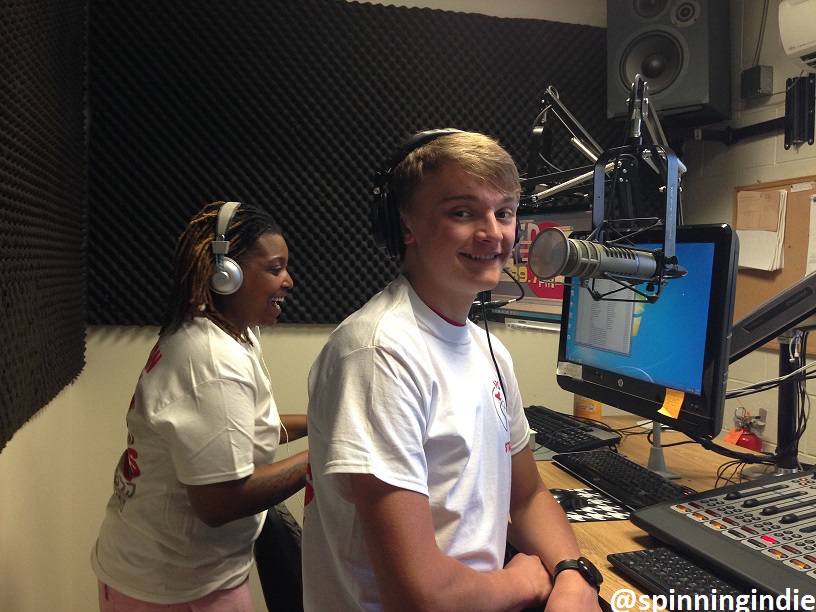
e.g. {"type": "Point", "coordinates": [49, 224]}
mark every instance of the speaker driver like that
{"type": "Point", "coordinates": [655, 55]}
{"type": "Point", "coordinates": [685, 12]}
{"type": "Point", "coordinates": [649, 9]}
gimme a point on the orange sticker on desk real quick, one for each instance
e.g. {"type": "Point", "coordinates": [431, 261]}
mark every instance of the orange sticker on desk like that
{"type": "Point", "coordinates": [672, 403]}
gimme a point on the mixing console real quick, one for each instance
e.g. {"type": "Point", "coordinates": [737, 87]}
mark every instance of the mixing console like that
{"type": "Point", "coordinates": [760, 534]}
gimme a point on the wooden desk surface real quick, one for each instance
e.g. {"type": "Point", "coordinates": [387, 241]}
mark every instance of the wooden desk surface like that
{"type": "Point", "coordinates": [696, 466]}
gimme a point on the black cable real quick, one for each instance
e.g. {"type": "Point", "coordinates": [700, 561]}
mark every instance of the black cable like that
{"type": "Point", "coordinates": [503, 419]}
{"type": "Point", "coordinates": [761, 35]}
{"type": "Point", "coordinates": [765, 386]}
{"type": "Point", "coordinates": [518, 284]}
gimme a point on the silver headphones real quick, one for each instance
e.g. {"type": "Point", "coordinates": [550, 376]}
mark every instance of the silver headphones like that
{"type": "Point", "coordinates": [227, 276]}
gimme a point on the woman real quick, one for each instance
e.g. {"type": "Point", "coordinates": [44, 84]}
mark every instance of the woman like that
{"type": "Point", "coordinates": [192, 488]}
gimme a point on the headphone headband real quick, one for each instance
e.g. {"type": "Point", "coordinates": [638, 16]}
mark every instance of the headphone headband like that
{"type": "Point", "coordinates": [220, 245]}
{"type": "Point", "coordinates": [385, 220]}
{"type": "Point", "coordinates": [402, 151]}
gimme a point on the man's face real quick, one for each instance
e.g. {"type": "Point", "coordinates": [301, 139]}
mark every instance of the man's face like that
{"type": "Point", "coordinates": [459, 232]}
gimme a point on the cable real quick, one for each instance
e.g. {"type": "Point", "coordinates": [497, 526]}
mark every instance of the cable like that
{"type": "Point", "coordinates": [773, 382]}
{"type": "Point", "coordinates": [269, 386]}
{"type": "Point", "coordinates": [761, 35]}
{"type": "Point", "coordinates": [518, 284]}
{"type": "Point", "coordinates": [503, 418]}
{"type": "Point", "coordinates": [484, 306]}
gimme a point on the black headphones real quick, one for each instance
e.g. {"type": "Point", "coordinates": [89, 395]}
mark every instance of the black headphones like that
{"type": "Point", "coordinates": [385, 217]}
{"type": "Point", "coordinates": [227, 276]}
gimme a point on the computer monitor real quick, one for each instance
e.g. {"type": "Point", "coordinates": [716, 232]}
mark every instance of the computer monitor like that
{"type": "Point", "coordinates": [542, 299]}
{"type": "Point", "coordinates": [666, 361]}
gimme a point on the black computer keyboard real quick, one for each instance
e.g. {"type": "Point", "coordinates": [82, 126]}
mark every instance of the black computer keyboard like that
{"type": "Point", "coordinates": [623, 480]}
{"type": "Point", "coordinates": [664, 572]}
{"type": "Point", "coordinates": [563, 433]}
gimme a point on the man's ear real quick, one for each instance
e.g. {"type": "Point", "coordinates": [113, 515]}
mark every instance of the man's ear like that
{"type": "Point", "coordinates": [408, 236]}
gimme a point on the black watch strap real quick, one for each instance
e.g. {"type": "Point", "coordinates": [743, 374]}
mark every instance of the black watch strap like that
{"type": "Point", "coordinates": [583, 566]}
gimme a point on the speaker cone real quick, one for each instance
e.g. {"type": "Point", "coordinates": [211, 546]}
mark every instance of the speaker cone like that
{"type": "Point", "coordinates": [649, 8]}
{"type": "Point", "coordinates": [655, 55]}
{"type": "Point", "coordinates": [685, 12]}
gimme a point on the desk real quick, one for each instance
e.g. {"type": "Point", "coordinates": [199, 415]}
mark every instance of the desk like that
{"type": "Point", "coordinates": [696, 466]}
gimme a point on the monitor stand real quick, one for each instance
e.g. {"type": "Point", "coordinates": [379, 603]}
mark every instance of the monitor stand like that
{"type": "Point", "coordinates": [657, 462]}
{"type": "Point", "coordinates": [787, 436]}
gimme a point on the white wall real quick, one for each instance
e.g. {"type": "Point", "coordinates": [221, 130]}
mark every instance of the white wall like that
{"type": "Point", "coordinates": [715, 170]}
{"type": "Point", "coordinates": [587, 12]}
{"type": "Point", "coordinates": [56, 471]}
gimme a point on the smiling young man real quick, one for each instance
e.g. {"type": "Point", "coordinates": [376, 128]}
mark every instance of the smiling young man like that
{"type": "Point", "coordinates": [417, 456]}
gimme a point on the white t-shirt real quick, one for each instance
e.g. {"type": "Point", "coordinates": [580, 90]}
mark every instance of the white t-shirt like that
{"type": "Point", "coordinates": [403, 395]}
{"type": "Point", "coordinates": [202, 413]}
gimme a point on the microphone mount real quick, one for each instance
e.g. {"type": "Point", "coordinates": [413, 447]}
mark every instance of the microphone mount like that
{"type": "Point", "coordinates": [662, 159]}
{"type": "Point", "coordinates": [558, 181]}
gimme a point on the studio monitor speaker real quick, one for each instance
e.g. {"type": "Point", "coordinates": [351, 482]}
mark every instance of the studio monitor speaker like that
{"type": "Point", "coordinates": [682, 50]}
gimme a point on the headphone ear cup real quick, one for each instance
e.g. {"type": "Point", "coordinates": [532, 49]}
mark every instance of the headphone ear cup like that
{"type": "Point", "coordinates": [393, 230]}
{"type": "Point", "coordinates": [385, 225]}
{"type": "Point", "coordinates": [378, 221]}
{"type": "Point", "coordinates": [229, 279]}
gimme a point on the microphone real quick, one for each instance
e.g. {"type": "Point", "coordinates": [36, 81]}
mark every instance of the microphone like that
{"type": "Point", "coordinates": [552, 254]}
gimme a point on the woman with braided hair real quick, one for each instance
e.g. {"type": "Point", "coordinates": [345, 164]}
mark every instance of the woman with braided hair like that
{"type": "Point", "coordinates": [192, 489]}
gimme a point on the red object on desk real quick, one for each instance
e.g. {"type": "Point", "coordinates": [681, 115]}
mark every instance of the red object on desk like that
{"type": "Point", "coordinates": [750, 440]}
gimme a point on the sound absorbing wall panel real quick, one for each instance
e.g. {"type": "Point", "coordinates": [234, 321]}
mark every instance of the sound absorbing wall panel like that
{"type": "Point", "coordinates": [293, 104]}
{"type": "Point", "coordinates": [43, 204]}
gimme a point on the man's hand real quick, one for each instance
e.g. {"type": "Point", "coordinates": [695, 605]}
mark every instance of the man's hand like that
{"type": "Point", "coordinates": [571, 592]}
{"type": "Point", "coordinates": [530, 568]}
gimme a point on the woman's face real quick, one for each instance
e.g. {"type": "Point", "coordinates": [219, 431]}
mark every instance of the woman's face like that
{"type": "Point", "coordinates": [266, 284]}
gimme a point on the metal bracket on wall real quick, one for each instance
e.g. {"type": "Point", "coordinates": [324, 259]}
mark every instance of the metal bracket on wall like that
{"type": "Point", "coordinates": [799, 110]}
{"type": "Point", "coordinates": [797, 124]}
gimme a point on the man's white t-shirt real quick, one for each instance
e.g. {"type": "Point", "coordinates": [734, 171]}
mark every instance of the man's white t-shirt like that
{"type": "Point", "coordinates": [202, 413]}
{"type": "Point", "coordinates": [402, 394]}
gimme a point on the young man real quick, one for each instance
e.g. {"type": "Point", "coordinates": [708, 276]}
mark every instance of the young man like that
{"type": "Point", "coordinates": [417, 456]}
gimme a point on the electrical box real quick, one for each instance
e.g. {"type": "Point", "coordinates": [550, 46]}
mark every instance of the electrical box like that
{"type": "Point", "coordinates": [756, 82]}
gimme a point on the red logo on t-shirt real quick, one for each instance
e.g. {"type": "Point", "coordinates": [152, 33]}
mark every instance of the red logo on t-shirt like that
{"type": "Point", "coordinates": [130, 467]}
{"type": "Point", "coordinates": [309, 495]}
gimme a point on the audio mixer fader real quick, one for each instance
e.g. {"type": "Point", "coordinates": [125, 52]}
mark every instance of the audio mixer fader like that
{"type": "Point", "coordinates": [760, 534]}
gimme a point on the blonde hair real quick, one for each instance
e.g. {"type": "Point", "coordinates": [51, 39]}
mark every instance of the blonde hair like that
{"type": "Point", "coordinates": [477, 154]}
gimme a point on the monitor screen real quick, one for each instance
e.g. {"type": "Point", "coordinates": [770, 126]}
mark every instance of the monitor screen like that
{"type": "Point", "coordinates": [542, 299]}
{"type": "Point", "coordinates": [667, 360]}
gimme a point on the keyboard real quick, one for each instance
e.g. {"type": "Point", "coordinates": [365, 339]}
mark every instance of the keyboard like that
{"type": "Point", "coordinates": [628, 483]}
{"type": "Point", "coordinates": [664, 572]}
{"type": "Point", "coordinates": [562, 433]}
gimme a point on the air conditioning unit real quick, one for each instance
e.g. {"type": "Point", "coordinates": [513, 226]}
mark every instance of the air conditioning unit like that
{"type": "Point", "coordinates": [797, 20]}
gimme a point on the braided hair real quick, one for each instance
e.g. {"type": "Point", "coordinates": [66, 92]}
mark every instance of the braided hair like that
{"type": "Point", "coordinates": [194, 264]}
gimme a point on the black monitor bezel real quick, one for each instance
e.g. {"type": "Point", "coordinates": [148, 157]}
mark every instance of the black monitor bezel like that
{"type": "Point", "coordinates": [700, 415]}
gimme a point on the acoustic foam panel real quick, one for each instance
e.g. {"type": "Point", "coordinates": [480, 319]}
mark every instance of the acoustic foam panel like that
{"type": "Point", "coordinates": [292, 105]}
{"type": "Point", "coordinates": [43, 204]}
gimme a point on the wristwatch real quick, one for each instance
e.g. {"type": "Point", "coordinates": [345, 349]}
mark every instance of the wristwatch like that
{"type": "Point", "coordinates": [584, 566]}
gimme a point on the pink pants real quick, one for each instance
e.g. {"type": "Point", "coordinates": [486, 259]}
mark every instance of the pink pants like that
{"type": "Point", "coordinates": [237, 599]}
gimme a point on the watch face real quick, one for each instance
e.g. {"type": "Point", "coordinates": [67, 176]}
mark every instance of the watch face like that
{"type": "Point", "coordinates": [584, 567]}
{"type": "Point", "coordinates": [590, 571]}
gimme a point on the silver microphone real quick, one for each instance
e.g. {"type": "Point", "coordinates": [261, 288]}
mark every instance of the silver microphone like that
{"type": "Point", "coordinates": [552, 254]}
